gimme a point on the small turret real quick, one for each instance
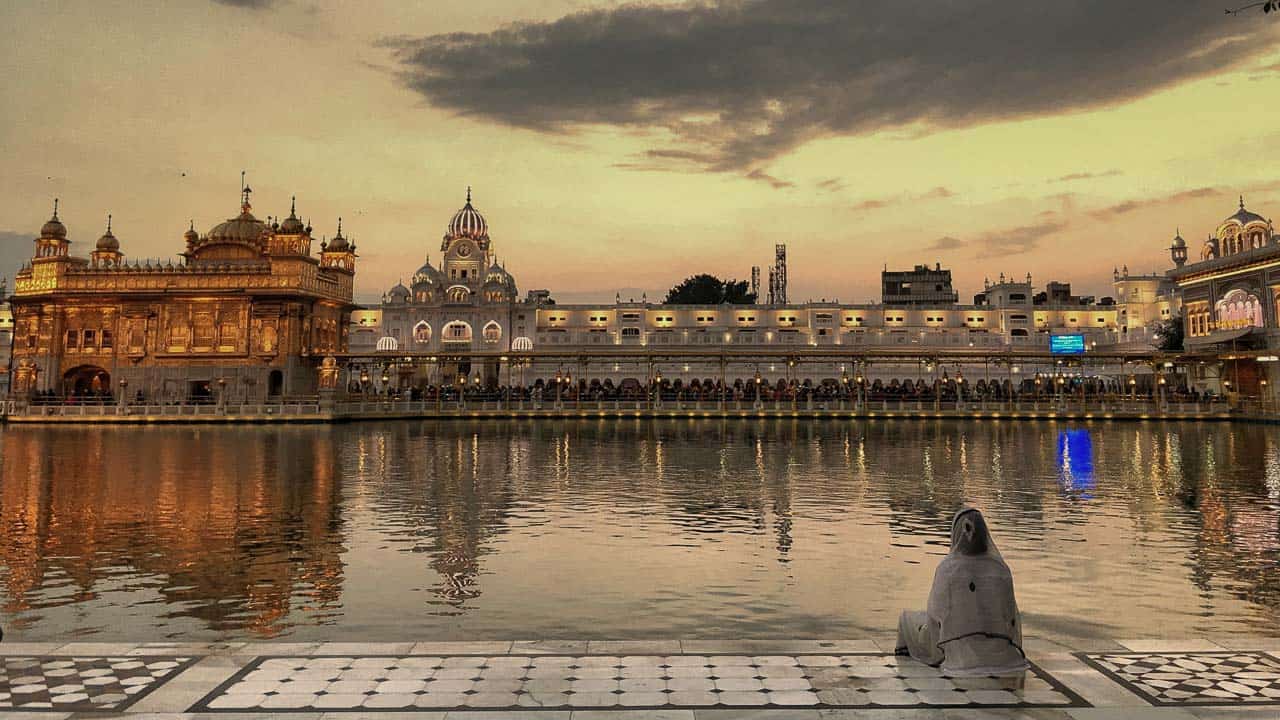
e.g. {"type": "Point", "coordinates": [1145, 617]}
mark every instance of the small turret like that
{"type": "Point", "coordinates": [1178, 250]}
{"type": "Point", "coordinates": [107, 251]}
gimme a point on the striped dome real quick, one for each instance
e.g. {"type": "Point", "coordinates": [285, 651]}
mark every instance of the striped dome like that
{"type": "Point", "coordinates": [468, 222]}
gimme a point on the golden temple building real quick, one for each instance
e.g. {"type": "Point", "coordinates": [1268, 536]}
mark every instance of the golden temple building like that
{"type": "Point", "coordinates": [248, 312]}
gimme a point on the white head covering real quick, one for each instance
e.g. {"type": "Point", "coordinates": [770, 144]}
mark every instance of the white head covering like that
{"type": "Point", "coordinates": [972, 594]}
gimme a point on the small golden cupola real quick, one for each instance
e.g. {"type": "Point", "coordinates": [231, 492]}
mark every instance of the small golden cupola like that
{"type": "Point", "coordinates": [53, 242]}
{"type": "Point", "coordinates": [339, 253]}
{"type": "Point", "coordinates": [107, 252]}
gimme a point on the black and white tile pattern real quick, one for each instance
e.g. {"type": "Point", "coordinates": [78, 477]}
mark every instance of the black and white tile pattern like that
{"type": "Point", "coordinates": [1194, 678]}
{"type": "Point", "coordinates": [81, 683]}
{"type": "Point", "coordinates": [304, 683]}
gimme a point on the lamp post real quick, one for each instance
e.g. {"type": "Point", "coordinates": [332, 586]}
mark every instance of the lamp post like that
{"type": "Point", "coordinates": [759, 401]}
{"type": "Point", "coordinates": [124, 391]}
{"type": "Point", "coordinates": [657, 388]}
{"type": "Point", "coordinates": [844, 381]}
{"type": "Point", "coordinates": [1162, 399]}
{"type": "Point", "coordinates": [1263, 392]}
{"type": "Point", "coordinates": [222, 393]}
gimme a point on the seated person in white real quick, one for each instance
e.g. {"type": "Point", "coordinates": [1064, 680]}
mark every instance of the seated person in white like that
{"type": "Point", "coordinates": [972, 625]}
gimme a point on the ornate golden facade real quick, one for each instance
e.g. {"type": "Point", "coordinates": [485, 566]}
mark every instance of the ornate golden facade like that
{"type": "Point", "coordinates": [247, 311]}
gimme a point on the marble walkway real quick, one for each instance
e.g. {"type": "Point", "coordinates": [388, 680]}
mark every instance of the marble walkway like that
{"type": "Point", "coordinates": [622, 680]}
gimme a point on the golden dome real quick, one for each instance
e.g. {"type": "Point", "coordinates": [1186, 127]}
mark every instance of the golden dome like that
{"type": "Point", "coordinates": [54, 227]}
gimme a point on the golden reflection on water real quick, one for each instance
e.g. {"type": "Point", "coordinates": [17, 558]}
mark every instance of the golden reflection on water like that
{"type": "Point", "coordinates": [604, 528]}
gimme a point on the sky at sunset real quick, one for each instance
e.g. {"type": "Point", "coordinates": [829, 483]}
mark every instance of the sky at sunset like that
{"type": "Point", "coordinates": [619, 147]}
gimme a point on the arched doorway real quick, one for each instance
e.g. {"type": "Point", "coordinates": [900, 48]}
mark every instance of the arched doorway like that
{"type": "Point", "coordinates": [86, 381]}
{"type": "Point", "coordinates": [275, 383]}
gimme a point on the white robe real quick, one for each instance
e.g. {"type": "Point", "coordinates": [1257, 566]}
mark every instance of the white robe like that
{"type": "Point", "coordinates": [972, 625]}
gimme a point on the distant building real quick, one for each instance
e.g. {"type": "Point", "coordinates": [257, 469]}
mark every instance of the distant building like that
{"type": "Point", "coordinates": [470, 304]}
{"type": "Point", "coordinates": [921, 285]}
{"type": "Point", "coordinates": [248, 310]}
{"type": "Point", "coordinates": [1145, 299]}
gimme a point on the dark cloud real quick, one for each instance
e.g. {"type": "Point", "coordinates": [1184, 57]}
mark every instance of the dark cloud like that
{"type": "Point", "coordinates": [1071, 177]}
{"type": "Point", "coordinates": [946, 242]}
{"type": "Point", "coordinates": [734, 84]}
{"type": "Point", "coordinates": [881, 203]}
{"type": "Point", "coordinates": [831, 184]}
{"type": "Point", "coordinates": [249, 4]}
{"type": "Point", "coordinates": [773, 182]}
{"type": "Point", "coordinates": [1113, 211]}
{"type": "Point", "coordinates": [1017, 240]}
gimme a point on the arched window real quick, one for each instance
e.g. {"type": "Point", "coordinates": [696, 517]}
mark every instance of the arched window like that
{"type": "Point", "coordinates": [422, 333]}
{"type": "Point", "coordinates": [459, 294]}
{"type": "Point", "coordinates": [1239, 309]}
{"type": "Point", "coordinates": [492, 332]}
{"type": "Point", "coordinates": [456, 331]}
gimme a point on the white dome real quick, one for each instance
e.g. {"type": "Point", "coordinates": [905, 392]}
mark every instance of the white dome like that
{"type": "Point", "coordinates": [522, 343]}
{"type": "Point", "coordinates": [468, 222]}
{"type": "Point", "coordinates": [388, 344]}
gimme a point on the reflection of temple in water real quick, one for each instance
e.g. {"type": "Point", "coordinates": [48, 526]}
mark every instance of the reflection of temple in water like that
{"type": "Point", "coordinates": [239, 548]}
{"type": "Point", "coordinates": [263, 531]}
{"type": "Point", "coordinates": [445, 494]}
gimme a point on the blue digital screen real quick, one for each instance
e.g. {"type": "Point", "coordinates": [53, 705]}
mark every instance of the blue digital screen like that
{"type": "Point", "coordinates": [1066, 344]}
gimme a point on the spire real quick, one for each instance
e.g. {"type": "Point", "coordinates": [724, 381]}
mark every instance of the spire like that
{"type": "Point", "coordinates": [1241, 202]}
{"type": "Point", "coordinates": [245, 190]}
{"type": "Point", "coordinates": [469, 195]}
{"type": "Point", "coordinates": [108, 223]}
{"type": "Point", "coordinates": [293, 206]}
{"type": "Point", "coordinates": [193, 225]}
{"type": "Point", "coordinates": [339, 228]}
{"type": "Point", "coordinates": [55, 208]}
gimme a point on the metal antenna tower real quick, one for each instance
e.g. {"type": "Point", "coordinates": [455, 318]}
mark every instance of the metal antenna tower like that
{"type": "Point", "coordinates": [780, 273]}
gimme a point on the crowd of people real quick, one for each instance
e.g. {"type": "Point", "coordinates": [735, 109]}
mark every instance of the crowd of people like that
{"type": "Point", "coordinates": [751, 389]}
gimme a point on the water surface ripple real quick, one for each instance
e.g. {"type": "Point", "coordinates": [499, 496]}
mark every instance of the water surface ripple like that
{"type": "Point", "coordinates": [626, 528]}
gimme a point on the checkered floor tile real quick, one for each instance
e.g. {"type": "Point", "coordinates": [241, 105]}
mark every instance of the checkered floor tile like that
{"type": "Point", "coordinates": [1194, 678]}
{"type": "Point", "coordinates": [639, 682]}
{"type": "Point", "coordinates": [81, 683]}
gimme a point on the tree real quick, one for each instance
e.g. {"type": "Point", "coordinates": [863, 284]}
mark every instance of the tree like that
{"type": "Point", "coordinates": [707, 289]}
{"type": "Point", "coordinates": [1169, 333]}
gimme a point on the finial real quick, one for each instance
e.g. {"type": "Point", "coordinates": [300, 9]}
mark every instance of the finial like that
{"type": "Point", "coordinates": [469, 195]}
{"type": "Point", "coordinates": [55, 208]}
{"type": "Point", "coordinates": [108, 223]}
{"type": "Point", "coordinates": [293, 205]}
{"type": "Point", "coordinates": [242, 181]}
{"type": "Point", "coordinates": [339, 226]}
{"type": "Point", "coordinates": [193, 225]}
{"type": "Point", "coordinates": [1241, 202]}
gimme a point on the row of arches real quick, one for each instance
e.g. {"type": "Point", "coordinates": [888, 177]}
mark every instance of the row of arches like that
{"type": "Point", "coordinates": [456, 331]}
